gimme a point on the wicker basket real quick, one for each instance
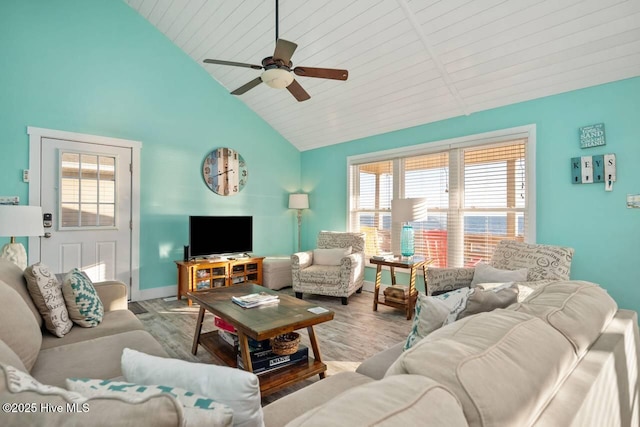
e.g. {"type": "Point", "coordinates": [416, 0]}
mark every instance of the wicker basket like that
{"type": "Point", "coordinates": [285, 344]}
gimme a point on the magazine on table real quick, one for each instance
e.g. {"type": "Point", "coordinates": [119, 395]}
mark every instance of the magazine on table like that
{"type": "Point", "coordinates": [254, 300]}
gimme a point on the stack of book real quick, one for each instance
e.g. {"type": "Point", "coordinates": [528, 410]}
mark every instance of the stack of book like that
{"type": "Point", "coordinates": [255, 300]}
{"type": "Point", "coordinates": [396, 293]}
{"type": "Point", "coordinates": [229, 335]}
{"type": "Point", "coordinates": [383, 256]}
{"type": "Point", "coordinates": [264, 361]}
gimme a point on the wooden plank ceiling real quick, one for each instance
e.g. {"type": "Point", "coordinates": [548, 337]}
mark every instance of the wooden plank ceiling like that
{"type": "Point", "coordinates": [410, 62]}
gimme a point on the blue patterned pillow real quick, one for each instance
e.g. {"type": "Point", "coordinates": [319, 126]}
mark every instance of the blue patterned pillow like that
{"type": "Point", "coordinates": [198, 410]}
{"type": "Point", "coordinates": [80, 296]}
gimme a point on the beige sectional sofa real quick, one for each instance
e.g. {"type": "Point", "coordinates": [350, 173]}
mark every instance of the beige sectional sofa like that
{"type": "Point", "coordinates": [565, 356]}
{"type": "Point", "coordinates": [83, 352]}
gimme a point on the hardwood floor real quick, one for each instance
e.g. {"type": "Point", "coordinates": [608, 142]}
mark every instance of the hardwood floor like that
{"type": "Point", "coordinates": [355, 334]}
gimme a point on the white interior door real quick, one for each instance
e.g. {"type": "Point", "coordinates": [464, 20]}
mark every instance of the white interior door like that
{"type": "Point", "coordinates": [86, 187]}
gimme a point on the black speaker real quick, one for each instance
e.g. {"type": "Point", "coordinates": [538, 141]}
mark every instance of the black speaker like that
{"type": "Point", "coordinates": [186, 253]}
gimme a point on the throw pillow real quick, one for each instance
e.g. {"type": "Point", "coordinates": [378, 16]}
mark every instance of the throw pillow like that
{"type": "Point", "coordinates": [198, 410]}
{"type": "Point", "coordinates": [238, 389]}
{"type": "Point", "coordinates": [484, 273]}
{"type": "Point", "coordinates": [46, 292]}
{"type": "Point", "coordinates": [330, 256]}
{"type": "Point", "coordinates": [481, 301]}
{"type": "Point", "coordinates": [433, 312]}
{"type": "Point", "coordinates": [82, 301]}
{"type": "Point", "coordinates": [18, 387]}
{"type": "Point", "coordinates": [19, 381]}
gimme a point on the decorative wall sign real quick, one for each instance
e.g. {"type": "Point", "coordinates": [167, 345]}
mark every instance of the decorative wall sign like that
{"type": "Point", "coordinates": [592, 136]}
{"type": "Point", "coordinates": [590, 169]}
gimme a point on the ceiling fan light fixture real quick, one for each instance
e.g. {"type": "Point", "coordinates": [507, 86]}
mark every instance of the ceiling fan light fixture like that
{"type": "Point", "coordinates": [277, 78]}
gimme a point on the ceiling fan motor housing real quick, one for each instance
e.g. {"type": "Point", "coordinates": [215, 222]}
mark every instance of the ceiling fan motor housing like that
{"type": "Point", "coordinates": [276, 74]}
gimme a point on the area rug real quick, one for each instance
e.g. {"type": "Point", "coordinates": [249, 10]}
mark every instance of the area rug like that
{"type": "Point", "coordinates": [136, 308]}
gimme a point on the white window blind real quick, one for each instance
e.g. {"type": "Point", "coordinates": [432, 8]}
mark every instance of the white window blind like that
{"type": "Point", "coordinates": [371, 192]}
{"type": "Point", "coordinates": [477, 195]}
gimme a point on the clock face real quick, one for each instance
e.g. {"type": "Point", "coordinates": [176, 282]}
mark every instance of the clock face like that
{"type": "Point", "coordinates": [225, 171]}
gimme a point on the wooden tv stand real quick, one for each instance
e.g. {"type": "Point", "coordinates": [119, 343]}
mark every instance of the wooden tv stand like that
{"type": "Point", "coordinates": [202, 274]}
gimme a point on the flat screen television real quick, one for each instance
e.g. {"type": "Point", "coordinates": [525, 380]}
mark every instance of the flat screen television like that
{"type": "Point", "coordinates": [218, 235]}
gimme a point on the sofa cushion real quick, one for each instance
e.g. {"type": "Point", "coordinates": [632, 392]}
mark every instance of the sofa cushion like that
{"type": "Point", "coordinates": [113, 322]}
{"type": "Point", "coordinates": [291, 406]}
{"type": "Point", "coordinates": [81, 299]}
{"type": "Point", "coordinates": [563, 306]}
{"type": "Point", "coordinates": [13, 276]}
{"type": "Point", "coordinates": [159, 411]}
{"type": "Point", "coordinates": [238, 389]}
{"type": "Point", "coordinates": [18, 327]}
{"type": "Point", "coordinates": [46, 292]}
{"type": "Point", "coordinates": [9, 357]}
{"type": "Point", "coordinates": [198, 410]}
{"type": "Point", "coordinates": [485, 273]}
{"type": "Point", "coordinates": [400, 400]}
{"type": "Point", "coordinates": [377, 365]}
{"type": "Point", "coordinates": [95, 358]}
{"type": "Point", "coordinates": [504, 366]}
{"type": "Point", "coordinates": [321, 274]}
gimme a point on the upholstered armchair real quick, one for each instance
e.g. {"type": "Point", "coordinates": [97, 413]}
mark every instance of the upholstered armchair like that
{"type": "Point", "coordinates": [335, 268]}
{"type": "Point", "coordinates": [545, 264]}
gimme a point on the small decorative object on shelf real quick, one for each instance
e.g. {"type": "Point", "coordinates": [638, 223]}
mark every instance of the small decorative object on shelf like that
{"type": "Point", "coordinates": [285, 344]}
{"type": "Point", "coordinates": [383, 257]}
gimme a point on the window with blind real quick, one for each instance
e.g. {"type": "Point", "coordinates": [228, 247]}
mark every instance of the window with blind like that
{"type": "Point", "coordinates": [477, 192]}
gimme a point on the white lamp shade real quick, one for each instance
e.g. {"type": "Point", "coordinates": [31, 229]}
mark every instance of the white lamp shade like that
{"type": "Point", "coordinates": [298, 201]}
{"type": "Point", "coordinates": [17, 221]}
{"type": "Point", "coordinates": [409, 210]}
{"type": "Point", "coordinates": [277, 78]}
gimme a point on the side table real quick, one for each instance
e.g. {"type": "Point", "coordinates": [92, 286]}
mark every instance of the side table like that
{"type": "Point", "coordinates": [412, 264]}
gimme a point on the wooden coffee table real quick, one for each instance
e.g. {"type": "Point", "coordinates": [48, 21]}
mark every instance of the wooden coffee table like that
{"type": "Point", "coordinates": [259, 323]}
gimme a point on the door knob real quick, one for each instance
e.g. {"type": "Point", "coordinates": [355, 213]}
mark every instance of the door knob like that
{"type": "Point", "coordinates": [47, 235]}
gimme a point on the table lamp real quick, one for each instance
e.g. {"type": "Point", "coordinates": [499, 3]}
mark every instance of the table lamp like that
{"type": "Point", "coordinates": [406, 211]}
{"type": "Point", "coordinates": [19, 221]}
{"type": "Point", "coordinates": [299, 201]}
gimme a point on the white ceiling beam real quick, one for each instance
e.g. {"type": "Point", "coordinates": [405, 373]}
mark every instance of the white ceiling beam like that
{"type": "Point", "coordinates": [439, 65]}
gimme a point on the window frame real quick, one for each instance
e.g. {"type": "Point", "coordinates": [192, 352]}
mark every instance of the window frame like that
{"type": "Point", "coordinates": [527, 132]}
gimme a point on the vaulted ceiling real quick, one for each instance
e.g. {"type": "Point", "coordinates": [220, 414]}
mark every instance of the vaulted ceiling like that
{"type": "Point", "coordinates": [410, 62]}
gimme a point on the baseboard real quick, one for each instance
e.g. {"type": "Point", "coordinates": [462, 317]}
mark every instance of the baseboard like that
{"type": "Point", "coordinates": [369, 286]}
{"type": "Point", "coordinates": [153, 293]}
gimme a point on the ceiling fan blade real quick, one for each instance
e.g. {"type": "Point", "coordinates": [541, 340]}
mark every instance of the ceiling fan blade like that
{"type": "Point", "coordinates": [297, 91]}
{"type": "Point", "coordinates": [233, 64]}
{"type": "Point", "coordinates": [244, 88]}
{"type": "Point", "coordinates": [284, 50]}
{"type": "Point", "coordinates": [323, 73]}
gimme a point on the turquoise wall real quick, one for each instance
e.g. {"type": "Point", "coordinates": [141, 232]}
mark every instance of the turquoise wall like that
{"type": "Point", "coordinates": [604, 233]}
{"type": "Point", "coordinates": [98, 67]}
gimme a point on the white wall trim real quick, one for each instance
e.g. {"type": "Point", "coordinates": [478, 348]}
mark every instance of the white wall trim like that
{"type": "Point", "coordinates": [153, 293]}
{"type": "Point", "coordinates": [459, 142]}
{"type": "Point", "coordinates": [36, 137]}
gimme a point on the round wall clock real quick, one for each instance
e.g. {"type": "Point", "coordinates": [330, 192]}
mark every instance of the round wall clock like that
{"type": "Point", "coordinates": [224, 171]}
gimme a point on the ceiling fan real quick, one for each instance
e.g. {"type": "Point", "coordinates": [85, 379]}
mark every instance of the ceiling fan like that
{"type": "Point", "coordinates": [277, 70]}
